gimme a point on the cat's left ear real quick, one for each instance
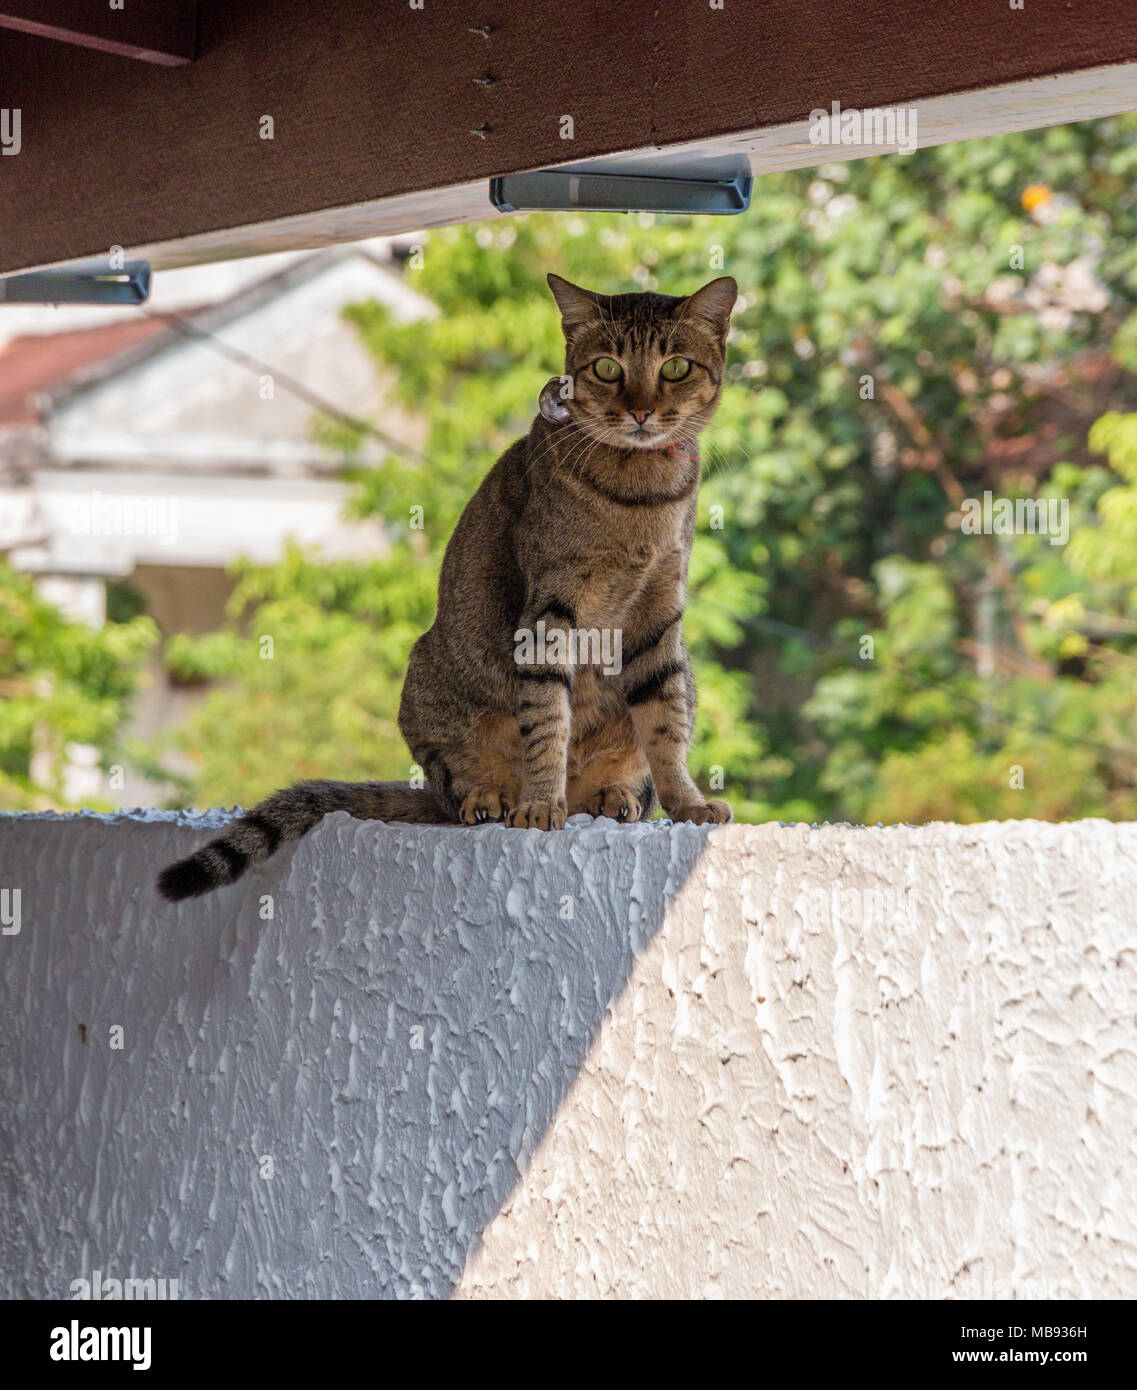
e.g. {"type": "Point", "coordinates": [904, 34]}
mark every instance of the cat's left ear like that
{"type": "Point", "coordinates": [577, 306]}
{"type": "Point", "coordinates": [713, 303]}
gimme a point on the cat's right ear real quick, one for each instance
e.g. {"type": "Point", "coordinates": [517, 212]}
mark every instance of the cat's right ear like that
{"type": "Point", "coordinates": [577, 306]}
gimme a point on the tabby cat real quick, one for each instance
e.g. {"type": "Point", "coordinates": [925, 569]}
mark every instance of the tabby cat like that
{"type": "Point", "coordinates": [581, 531]}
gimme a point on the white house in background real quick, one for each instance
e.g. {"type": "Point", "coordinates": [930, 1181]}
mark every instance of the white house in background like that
{"type": "Point", "coordinates": [139, 446]}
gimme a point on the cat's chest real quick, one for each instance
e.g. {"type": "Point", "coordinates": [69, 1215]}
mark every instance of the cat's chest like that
{"type": "Point", "coordinates": [620, 582]}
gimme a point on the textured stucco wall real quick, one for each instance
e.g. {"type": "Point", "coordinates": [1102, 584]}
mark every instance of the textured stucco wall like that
{"type": "Point", "coordinates": [771, 1061]}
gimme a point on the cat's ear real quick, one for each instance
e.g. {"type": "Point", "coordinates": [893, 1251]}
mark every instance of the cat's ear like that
{"type": "Point", "coordinates": [577, 306]}
{"type": "Point", "coordinates": [713, 303]}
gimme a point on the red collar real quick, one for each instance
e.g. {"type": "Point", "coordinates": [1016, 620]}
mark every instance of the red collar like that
{"type": "Point", "coordinates": [675, 449]}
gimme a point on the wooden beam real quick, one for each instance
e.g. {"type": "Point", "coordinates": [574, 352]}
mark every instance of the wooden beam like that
{"type": "Point", "coordinates": [393, 117]}
{"type": "Point", "coordinates": [155, 31]}
{"type": "Point", "coordinates": [941, 120]}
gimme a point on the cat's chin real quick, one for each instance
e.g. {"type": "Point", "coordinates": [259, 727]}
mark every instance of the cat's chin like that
{"type": "Point", "coordinates": [651, 445]}
{"type": "Point", "coordinates": [632, 443]}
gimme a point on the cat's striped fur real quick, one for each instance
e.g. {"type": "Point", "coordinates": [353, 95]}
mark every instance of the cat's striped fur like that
{"type": "Point", "coordinates": [583, 524]}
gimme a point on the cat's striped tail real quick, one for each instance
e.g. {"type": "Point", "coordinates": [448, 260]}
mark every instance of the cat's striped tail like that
{"type": "Point", "coordinates": [285, 816]}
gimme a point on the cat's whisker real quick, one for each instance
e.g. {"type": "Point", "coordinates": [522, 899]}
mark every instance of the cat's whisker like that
{"type": "Point", "coordinates": [579, 452]}
{"type": "Point", "coordinates": [564, 432]}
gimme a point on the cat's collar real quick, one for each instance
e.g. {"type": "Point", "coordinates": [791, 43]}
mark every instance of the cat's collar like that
{"type": "Point", "coordinates": [678, 452]}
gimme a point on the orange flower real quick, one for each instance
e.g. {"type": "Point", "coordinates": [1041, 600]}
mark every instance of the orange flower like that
{"type": "Point", "coordinates": [1034, 195]}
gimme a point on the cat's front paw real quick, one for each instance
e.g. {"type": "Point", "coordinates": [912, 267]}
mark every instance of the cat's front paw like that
{"type": "Point", "coordinates": [703, 812]}
{"type": "Point", "coordinates": [483, 804]}
{"type": "Point", "coordinates": [538, 815]}
{"type": "Point", "coordinates": [617, 803]}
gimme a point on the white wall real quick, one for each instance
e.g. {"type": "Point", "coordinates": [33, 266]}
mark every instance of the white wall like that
{"type": "Point", "coordinates": [767, 1061]}
{"type": "Point", "coordinates": [193, 406]}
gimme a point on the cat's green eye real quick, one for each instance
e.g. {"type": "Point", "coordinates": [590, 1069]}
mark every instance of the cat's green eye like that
{"type": "Point", "coordinates": [675, 369]}
{"type": "Point", "coordinates": [607, 369]}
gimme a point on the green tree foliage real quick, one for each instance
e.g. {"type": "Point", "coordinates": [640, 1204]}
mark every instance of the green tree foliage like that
{"type": "Point", "coordinates": [60, 683]}
{"type": "Point", "coordinates": [912, 332]}
{"type": "Point", "coordinates": [308, 674]}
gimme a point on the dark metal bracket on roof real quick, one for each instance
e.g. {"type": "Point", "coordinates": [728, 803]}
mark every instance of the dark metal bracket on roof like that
{"type": "Point", "coordinates": [697, 187]}
{"type": "Point", "coordinates": [80, 284]}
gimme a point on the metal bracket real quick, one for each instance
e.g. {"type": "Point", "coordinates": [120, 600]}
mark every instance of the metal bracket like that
{"type": "Point", "coordinates": [596, 190]}
{"type": "Point", "coordinates": [86, 283]}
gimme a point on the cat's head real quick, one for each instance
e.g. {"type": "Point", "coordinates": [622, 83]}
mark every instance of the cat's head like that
{"type": "Point", "coordinates": [646, 368]}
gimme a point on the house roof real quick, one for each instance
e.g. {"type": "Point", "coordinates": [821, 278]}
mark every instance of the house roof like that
{"type": "Point", "coordinates": [39, 373]}
{"type": "Point", "coordinates": [172, 330]}
{"type": "Point", "coordinates": [163, 416]}
{"type": "Point", "coordinates": [35, 365]}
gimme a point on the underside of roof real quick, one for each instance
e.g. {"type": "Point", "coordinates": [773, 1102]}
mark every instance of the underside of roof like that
{"type": "Point", "coordinates": [299, 125]}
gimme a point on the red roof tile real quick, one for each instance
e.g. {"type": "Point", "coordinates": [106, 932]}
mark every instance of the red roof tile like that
{"type": "Point", "coordinates": [35, 363]}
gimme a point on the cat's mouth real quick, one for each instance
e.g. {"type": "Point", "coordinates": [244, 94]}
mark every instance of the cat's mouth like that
{"type": "Point", "coordinates": [636, 440]}
{"type": "Point", "coordinates": [646, 439]}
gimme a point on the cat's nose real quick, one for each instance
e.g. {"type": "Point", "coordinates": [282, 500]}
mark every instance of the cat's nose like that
{"type": "Point", "coordinates": [639, 416]}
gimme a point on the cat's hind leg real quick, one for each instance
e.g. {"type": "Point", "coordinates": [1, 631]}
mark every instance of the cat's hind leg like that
{"type": "Point", "coordinates": [609, 773]}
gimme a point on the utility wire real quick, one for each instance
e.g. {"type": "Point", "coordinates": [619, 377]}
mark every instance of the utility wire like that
{"type": "Point", "coordinates": [289, 383]}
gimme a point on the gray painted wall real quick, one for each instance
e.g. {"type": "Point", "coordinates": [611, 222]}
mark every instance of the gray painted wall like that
{"type": "Point", "coordinates": [767, 1061]}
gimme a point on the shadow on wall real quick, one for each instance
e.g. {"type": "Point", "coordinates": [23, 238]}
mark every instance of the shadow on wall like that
{"type": "Point", "coordinates": [322, 1082]}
